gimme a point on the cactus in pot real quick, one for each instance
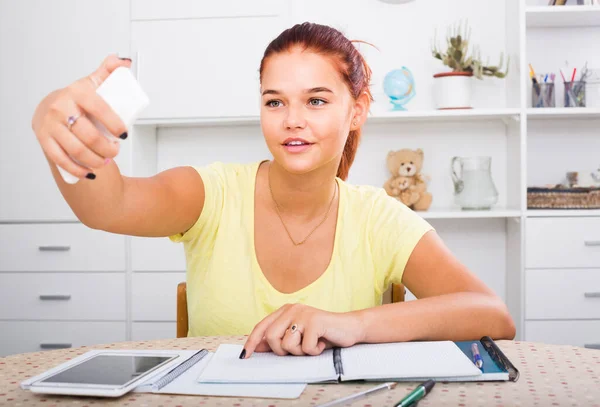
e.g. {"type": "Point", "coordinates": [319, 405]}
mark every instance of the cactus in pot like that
{"type": "Point", "coordinates": [455, 91]}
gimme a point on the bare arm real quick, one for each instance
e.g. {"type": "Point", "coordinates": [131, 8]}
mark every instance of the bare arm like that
{"type": "Point", "coordinates": [162, 205]}
{"type": "Point", "coordinates": [165, 204]}
{"type": "Point", "coordinates": [453, 303]}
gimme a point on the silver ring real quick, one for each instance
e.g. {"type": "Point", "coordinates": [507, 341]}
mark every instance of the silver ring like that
{"type": "Point", "coordinates": [293, 328]}
{"type": "Point", "coordinates": [71, 120]}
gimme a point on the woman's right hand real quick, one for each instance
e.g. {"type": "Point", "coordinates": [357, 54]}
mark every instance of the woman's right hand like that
{"type": "Point", "coordinates": [82, 141]}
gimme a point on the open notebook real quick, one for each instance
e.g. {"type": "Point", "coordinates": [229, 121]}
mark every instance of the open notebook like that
{"type": "Point", "coordinates": [405, 361]}
{"type": "Point", "coordinates": [179, 376]}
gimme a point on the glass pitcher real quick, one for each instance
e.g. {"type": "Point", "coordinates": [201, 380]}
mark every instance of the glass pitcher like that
{"type": "Point", "coordinates": [473, 184]}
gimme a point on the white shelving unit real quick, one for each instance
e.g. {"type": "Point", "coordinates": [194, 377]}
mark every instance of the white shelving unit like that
{"type": "Point", "coordinates": [563, 16]}
{"type": "Point", "coordinates": [542, 213]}
{"type": "Point", "coordinates": [568, 113]}
{"type": "Point", "coordinates": [461, 214]}
{"type": "Point", "coordinates": [556, 243]}
{"type": "Point", "coordinates": [378, 117]}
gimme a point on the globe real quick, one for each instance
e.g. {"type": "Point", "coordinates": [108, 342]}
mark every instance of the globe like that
{"type": "Point", "coordinates": [399, 86]}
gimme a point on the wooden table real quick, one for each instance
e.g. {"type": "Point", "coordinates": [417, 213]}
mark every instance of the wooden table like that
{"type": "Point", "coordinates": [550, 376]}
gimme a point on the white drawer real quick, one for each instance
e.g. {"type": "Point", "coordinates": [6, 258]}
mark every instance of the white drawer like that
{"type": "Point", "coordinates": [30, 336]}
{"type": "Point", "coordinates": [147, 331]}
{"type": "Point", "coordinates": [154, 296]}
{"type": "Point", "coordinates": [562, 242]}
{"type": "Point", "coordinates": [82, 296]}
{"type": "Point", "coordinates": [60, 247]}
{"type": "Point", "coordinates": [562, 294]}
{"type": "Point", "coordinates": [156, 254]}
{"type": "Point", "coordinates": [576, 333]}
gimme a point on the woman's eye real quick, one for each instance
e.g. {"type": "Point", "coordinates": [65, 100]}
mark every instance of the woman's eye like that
{"type": "Point", "coordinates": [274, 103]}
{"type": "Point", "coordinates": [317, 102]}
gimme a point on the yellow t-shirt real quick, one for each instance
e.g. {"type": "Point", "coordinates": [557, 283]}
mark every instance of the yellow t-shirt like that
{"type": "Point", "coordinates": [227, 292]}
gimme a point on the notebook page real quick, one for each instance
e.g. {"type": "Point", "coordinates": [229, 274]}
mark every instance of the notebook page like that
{"type": "Point", "coordinates": [405, 360]}
{"type": "Point", "coordinates": [226, 367]}
{"type": "Point", "coordinates": [187, 384]}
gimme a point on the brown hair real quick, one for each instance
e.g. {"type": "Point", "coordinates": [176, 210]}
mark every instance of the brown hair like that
{"type": "Point", "coordinates": [328, 41]}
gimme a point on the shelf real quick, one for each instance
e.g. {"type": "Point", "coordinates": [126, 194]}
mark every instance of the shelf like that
{"type": "Point", "coordinates": [555, 213]}
{"type": "Point", "coordinates": [443, 115]}
{"type": "Point", "coordinates": [570, 113]}
{"type": "Point", "coordinates": [442, 213]}
{"type": "Point", "coordinates": [563, 16]}
{"type": "Point", "coordinates": [379, 117]}
{"type": "Point", "coordinates": [200, 121]}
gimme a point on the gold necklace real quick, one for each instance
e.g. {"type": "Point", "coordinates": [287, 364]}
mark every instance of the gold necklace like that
{"type": "Point", "coordinates": [281, 219]}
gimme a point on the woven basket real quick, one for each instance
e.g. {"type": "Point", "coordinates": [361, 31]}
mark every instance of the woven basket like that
{"type": "Point", "coordinates": [563, 198]}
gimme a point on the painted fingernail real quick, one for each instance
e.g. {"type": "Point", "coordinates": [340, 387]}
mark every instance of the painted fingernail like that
{"type": "Point", "coordinates": [243, 354]}
{"type": "Point", "coordinates": [106, 161]}
{"type": "Point", "coordinates": [91, 175]}
{"type": "Point", "coordinates": [123, 136]}
{"type": "Point", "coordinates": [125, 59]}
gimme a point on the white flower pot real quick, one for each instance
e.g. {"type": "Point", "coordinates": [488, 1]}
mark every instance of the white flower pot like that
{"type": "Point", "coordinates": [452, 90]}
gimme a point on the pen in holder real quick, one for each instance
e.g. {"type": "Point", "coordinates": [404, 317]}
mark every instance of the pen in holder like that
{"type": "Point", "coordinates": [575, 94]}
{"type": "Point", "coordinates": [542, 95]}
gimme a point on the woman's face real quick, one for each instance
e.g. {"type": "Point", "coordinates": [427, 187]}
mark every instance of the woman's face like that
{"type": "Point", "coordinates": [307, 111]}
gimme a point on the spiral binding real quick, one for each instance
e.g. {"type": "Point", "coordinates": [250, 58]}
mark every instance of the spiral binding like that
{"type": "Point", "coordinates": [337, 361]}
{"type": "Point", "coordinates": [176, 372]}
{"type": "Point", "coordinates": [500, 358]}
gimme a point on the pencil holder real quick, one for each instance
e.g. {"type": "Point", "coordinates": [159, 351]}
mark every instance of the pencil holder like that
{"type": "Point", "coordinates": [575, 94]}
{"type": "Point", "coordinates": [542, 95]}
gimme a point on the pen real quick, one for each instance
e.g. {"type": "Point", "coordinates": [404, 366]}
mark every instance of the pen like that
{"type": "Point", "coordinates": [417, 394]}
{"type": "Point", "coordinates": [563, 76]}
{"type": "Point", "coordinates": [355, 396]}
{"type": "Point", "coordinates": [476, 355]}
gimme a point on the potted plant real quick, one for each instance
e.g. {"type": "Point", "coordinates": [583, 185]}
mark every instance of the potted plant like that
{"type": "Point", "coordinates": [452, 90]}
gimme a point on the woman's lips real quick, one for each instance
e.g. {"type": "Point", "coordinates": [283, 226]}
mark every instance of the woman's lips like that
{"type": "Point", "coordinates": [296, 145]}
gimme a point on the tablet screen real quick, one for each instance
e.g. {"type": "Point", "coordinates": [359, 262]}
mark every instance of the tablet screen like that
{"type": "Point", "coordinates": [108, 370]}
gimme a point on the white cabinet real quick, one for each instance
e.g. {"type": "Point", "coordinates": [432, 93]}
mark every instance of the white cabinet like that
{"type": "Point", "coordinates": [562, 280]}
{"type": "Point", "coordinates": [576, 333]}
{"type": "Point", "coordinates": [59, 247]}
{"type": "Point", "coordinates": [186, 9]}
{"type": "Point", "coordinates": [563, 242]}
{"type": "Point", "coordinates": [156, 254]}
{"type": "Point", "coordinates": [194, 66]}
{"type": "Point", "coordinates": [147, 331]}
{"type": "Point", "coordinates": [70, 296]}
{"type": "Point", "coordinates": [154, 296]}
{"type": "Point", "coordinates": [563, 294]}
{"type": "Point", "coordinates": [33, 336]}
{"type": "Point", "coordinates": [45, 45]}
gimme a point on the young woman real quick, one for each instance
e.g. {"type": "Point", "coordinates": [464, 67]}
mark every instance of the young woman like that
{"type": "Point", "coordinates": [283, 250]}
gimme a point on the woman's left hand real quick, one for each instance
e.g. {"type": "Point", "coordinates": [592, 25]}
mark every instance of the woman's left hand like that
{"type": "Point", "coordinates": [302, 330]}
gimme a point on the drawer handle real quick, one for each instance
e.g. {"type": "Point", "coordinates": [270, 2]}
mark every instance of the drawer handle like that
{"type": "Point", "coordinates": [54, 248]}
{"type": "Point", "coordinates": [55, 297]}
{"type": "Point", "coordinates": [592, 242]}
{"type": "Point", "coordinates": [592, 295]}
{"type": "Point", "coordinates": [55, 345]}
{"type": "Point", "coordinates": [592, 345]}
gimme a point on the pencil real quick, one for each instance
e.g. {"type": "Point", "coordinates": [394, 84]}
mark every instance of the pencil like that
{"type": "Point", "coordinates": [355, 396]}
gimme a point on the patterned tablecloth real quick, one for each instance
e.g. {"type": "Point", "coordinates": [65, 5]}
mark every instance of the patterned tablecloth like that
{"type": "Point", "coordinates": [550, 376]}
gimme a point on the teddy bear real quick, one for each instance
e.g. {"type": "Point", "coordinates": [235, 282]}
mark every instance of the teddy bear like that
{"type": "Point", "coordinates": [403, 189]}
{"type": "Point", "coordinates": [406, 182]}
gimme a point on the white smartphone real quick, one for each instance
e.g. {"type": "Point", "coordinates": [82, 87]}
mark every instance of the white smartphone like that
{"type": "Point", "coordinates": [105, 374]}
